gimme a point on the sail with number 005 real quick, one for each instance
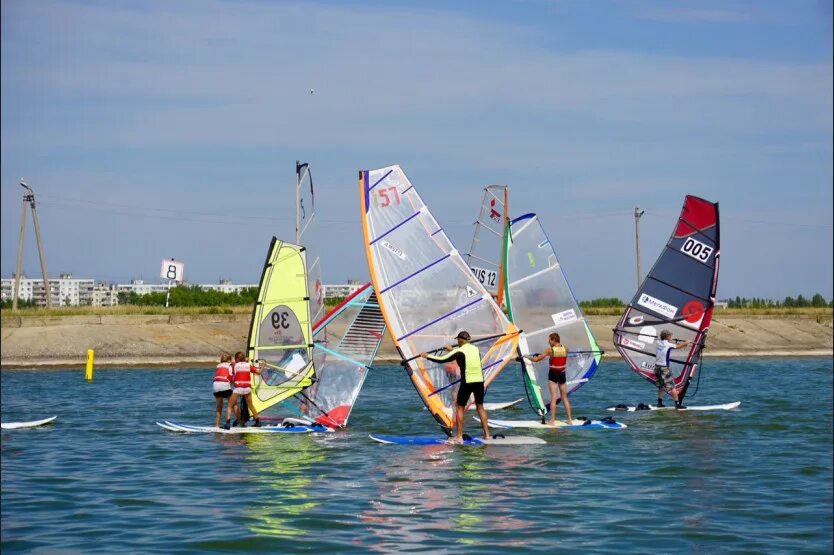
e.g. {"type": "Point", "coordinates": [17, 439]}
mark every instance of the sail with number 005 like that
{"type": "Point", "coordinates": [426, 292]}
{"type": "Point", "coordinates": [677, 295]}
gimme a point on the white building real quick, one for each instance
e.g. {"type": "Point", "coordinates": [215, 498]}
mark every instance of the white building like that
{"type": "Point", "coordinates": [226, 286]}
{"type": "Point", "coordinates": [64, 291]}
{"type": "Point", "coordinates": [140, 287]}
{"type": "Point", "coordinates": [342, 290]}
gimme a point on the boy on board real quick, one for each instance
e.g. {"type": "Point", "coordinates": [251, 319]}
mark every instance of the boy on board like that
{"type": "Point", "coordinates": [556, 375]}
{"type": "Point", "coordinates": [665, 382]}
{"type": "Point", "coordinates": [222, 385]}
{"type": "Point", "coordinates": [468, 358]}
{"type": "Point", "coordinates": [242, 376]}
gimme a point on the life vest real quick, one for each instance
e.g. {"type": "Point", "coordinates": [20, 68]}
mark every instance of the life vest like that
{"type": "Point", "coordinates": [223, 373]}
{"type": "Point", "coordinates": [473, 373]}
{"type": "Point", "coordinates": [243, 374]}
{"type": "Point", "coordinates": [558, 358]}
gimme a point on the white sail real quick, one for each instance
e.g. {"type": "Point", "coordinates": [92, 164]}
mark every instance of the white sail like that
{"type": "Point", "coordinates": [426, 291]}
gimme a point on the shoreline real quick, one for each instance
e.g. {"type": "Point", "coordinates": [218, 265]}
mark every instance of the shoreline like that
{"type": "Point", "coordinates": [131, 363]}
{"type": "Point", "coordinates": [189, 341]}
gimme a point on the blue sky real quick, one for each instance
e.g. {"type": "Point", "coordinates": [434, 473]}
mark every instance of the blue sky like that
{"type": "Point", "coordinates": [171, 129]}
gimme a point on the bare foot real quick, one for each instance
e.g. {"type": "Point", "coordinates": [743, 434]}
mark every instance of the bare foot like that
{"type": "Point", "coordinates": [570, 422]}
{"type": "Point", "coordinates": [551, 423]}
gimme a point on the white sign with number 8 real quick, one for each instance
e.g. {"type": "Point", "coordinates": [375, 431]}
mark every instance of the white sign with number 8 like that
{"type": "Point", "coordinates": [172, 270]}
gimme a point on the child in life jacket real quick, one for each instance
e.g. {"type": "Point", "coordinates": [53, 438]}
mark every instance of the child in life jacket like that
{"type": "Point", "coordinates": [557, 375]}
{"type": "Point", "coordinates": [242, 379]}
{"type": "Point", "coordinates": [222, 385]}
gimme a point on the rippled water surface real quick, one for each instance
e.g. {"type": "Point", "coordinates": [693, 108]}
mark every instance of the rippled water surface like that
{"type": "Point", "coordinates": [105, 478]}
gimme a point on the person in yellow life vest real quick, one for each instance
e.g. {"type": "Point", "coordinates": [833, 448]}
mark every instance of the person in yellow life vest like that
{"type": "Point", "coordinates": [468, 358]}
{"type": "Point", "coordinates": [556, 376]}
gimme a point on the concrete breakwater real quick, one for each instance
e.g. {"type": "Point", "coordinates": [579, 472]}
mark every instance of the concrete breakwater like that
{"type": "Point", "coordinates": [197, 340]}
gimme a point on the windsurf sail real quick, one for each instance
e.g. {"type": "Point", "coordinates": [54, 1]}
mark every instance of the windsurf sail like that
{"type": "Point", "coordinates": [540, 301]}
{"type": "Point", "coordinates": [306, 234]}
{"type": "Point", "coordinates": [678, 295]}
{"type": "Point", "coordinates": [426, 292]}
{"type": "Point", "coordinates": [346, 342]}
{"type": "Point", "coordinates": [280, 333]}
{"type": "Point", "coordinates": [484, 256]}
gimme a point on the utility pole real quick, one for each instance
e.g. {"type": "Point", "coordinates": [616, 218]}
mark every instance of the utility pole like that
{"type": "Point", "coordinates": [29, 197]}
{"type": "Point", "coordinates": [637, 214]}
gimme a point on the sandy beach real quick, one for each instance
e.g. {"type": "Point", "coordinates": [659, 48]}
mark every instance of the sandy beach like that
{"type": "Point", "coordinates": [126, 341]}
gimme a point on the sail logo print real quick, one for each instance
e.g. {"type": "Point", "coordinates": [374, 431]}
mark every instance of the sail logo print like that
{"type": "Point", "coordinates": [393, 249]}
{"type": "Point", "coordinates": [696, 249]}
{"type": "Point", "coordinates": [493, 213]}
{"type": "Point", "coordinates": [563, 317]}
{"type": "Point", "coordinates": [693, 313]}
{"type": "Point", "coordinates": [658, 306]}
{"type": "Point", "coordinates": [626, 342]}
{"type": "Point", "coordinates": [636, 320]}
{"type": "Point", "coordinates": [470, 292]}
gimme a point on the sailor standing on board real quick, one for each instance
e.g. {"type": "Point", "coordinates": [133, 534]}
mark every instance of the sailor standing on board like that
{"type": "Point", "coordinates": [222, 385]}
{"type": "Point", "coordinates": [468, 358]}
{"type": "Point", "coordinates": [243, 388]}
{"type": "Point", "coordinates": [665, 382]}
{"type": "Point", "coordinates": [556, 375]}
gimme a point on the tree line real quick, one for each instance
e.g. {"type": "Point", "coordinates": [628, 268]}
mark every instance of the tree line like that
{"type": "Point", "coordinates": [816, 301]}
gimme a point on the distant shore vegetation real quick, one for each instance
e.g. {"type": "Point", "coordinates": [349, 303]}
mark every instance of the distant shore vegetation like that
{"type": "Point", "coordinates": [194, 300]}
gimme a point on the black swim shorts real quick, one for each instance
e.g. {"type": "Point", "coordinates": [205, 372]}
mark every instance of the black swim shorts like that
{"type": "Point", "coordinates": [557, 377]}
{"type": "Point", "coordinates": [223, 394]}
{"type": "Point", "coordinates": [468, 389]}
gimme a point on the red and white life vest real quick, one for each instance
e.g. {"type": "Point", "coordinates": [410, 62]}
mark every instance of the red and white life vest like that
{"type": "Point", "coordinates": [223, 373]}
{"type": "Point", "coordinates": [243, 374]}
{"type": "Point", "coordinates": [558, 358]}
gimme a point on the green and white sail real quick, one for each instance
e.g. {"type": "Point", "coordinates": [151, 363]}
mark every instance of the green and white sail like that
{"type": "Point", "coordinates": [539, 301]}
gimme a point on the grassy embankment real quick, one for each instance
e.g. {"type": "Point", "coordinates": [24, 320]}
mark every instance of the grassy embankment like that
{"type": "Point", "coordinates": [823, 312]}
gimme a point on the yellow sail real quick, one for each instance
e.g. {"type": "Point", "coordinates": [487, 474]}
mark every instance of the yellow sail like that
{"type": "Point", "coordinates": [281, 334]}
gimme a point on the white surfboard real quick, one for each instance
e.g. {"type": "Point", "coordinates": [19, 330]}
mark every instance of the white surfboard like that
{"type": "Point", "coordinates": [30, 424]}
{"type": "Point", "coordinates": [630, 408]}
{"type": "Point", "coordinates": [499, 406]}
{"type": "Point", "coordinates": [560, 424]}
{"type": "Point", "coordinates": [187, 428]}
{"type": "Point", "coordinates": [474, 442]}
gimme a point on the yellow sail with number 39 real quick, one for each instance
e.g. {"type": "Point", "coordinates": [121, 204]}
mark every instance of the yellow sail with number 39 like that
{"type": "Point", "coordinates": [281, 334]}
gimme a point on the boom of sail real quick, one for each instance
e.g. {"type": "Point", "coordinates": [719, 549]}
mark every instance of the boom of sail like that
{"type": "Point", "coordinates": [426, 292]}
{"type": "Point", "coordinates": [280, 333]}
{"type": "Point", "coordinates": [540, 302]}
{"type": "Point", "coordinates": [678, 295]}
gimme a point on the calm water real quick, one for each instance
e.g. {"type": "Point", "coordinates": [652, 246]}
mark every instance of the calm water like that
{"type": "Point", "coordinates": [106, 479]}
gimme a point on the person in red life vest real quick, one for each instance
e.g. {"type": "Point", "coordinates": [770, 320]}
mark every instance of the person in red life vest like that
{"type": "Point", "coordinates": [222, 385]}
{"type": "Point", "coordinates": [242, 379]}
{"type": "Point", "coordinates": [556, 377]}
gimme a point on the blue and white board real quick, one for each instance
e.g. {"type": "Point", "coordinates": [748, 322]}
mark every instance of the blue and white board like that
{"type": "Point", "coordinates": [474, 442]}
{"type": "Point", "coordinates": [176, 427]}
{"type": "Point", "coordinates": [29, 424]}
{"type": "Point", "coordinates": [579, 424]}
{"type": "Point", "coordinates": [631, 408]}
